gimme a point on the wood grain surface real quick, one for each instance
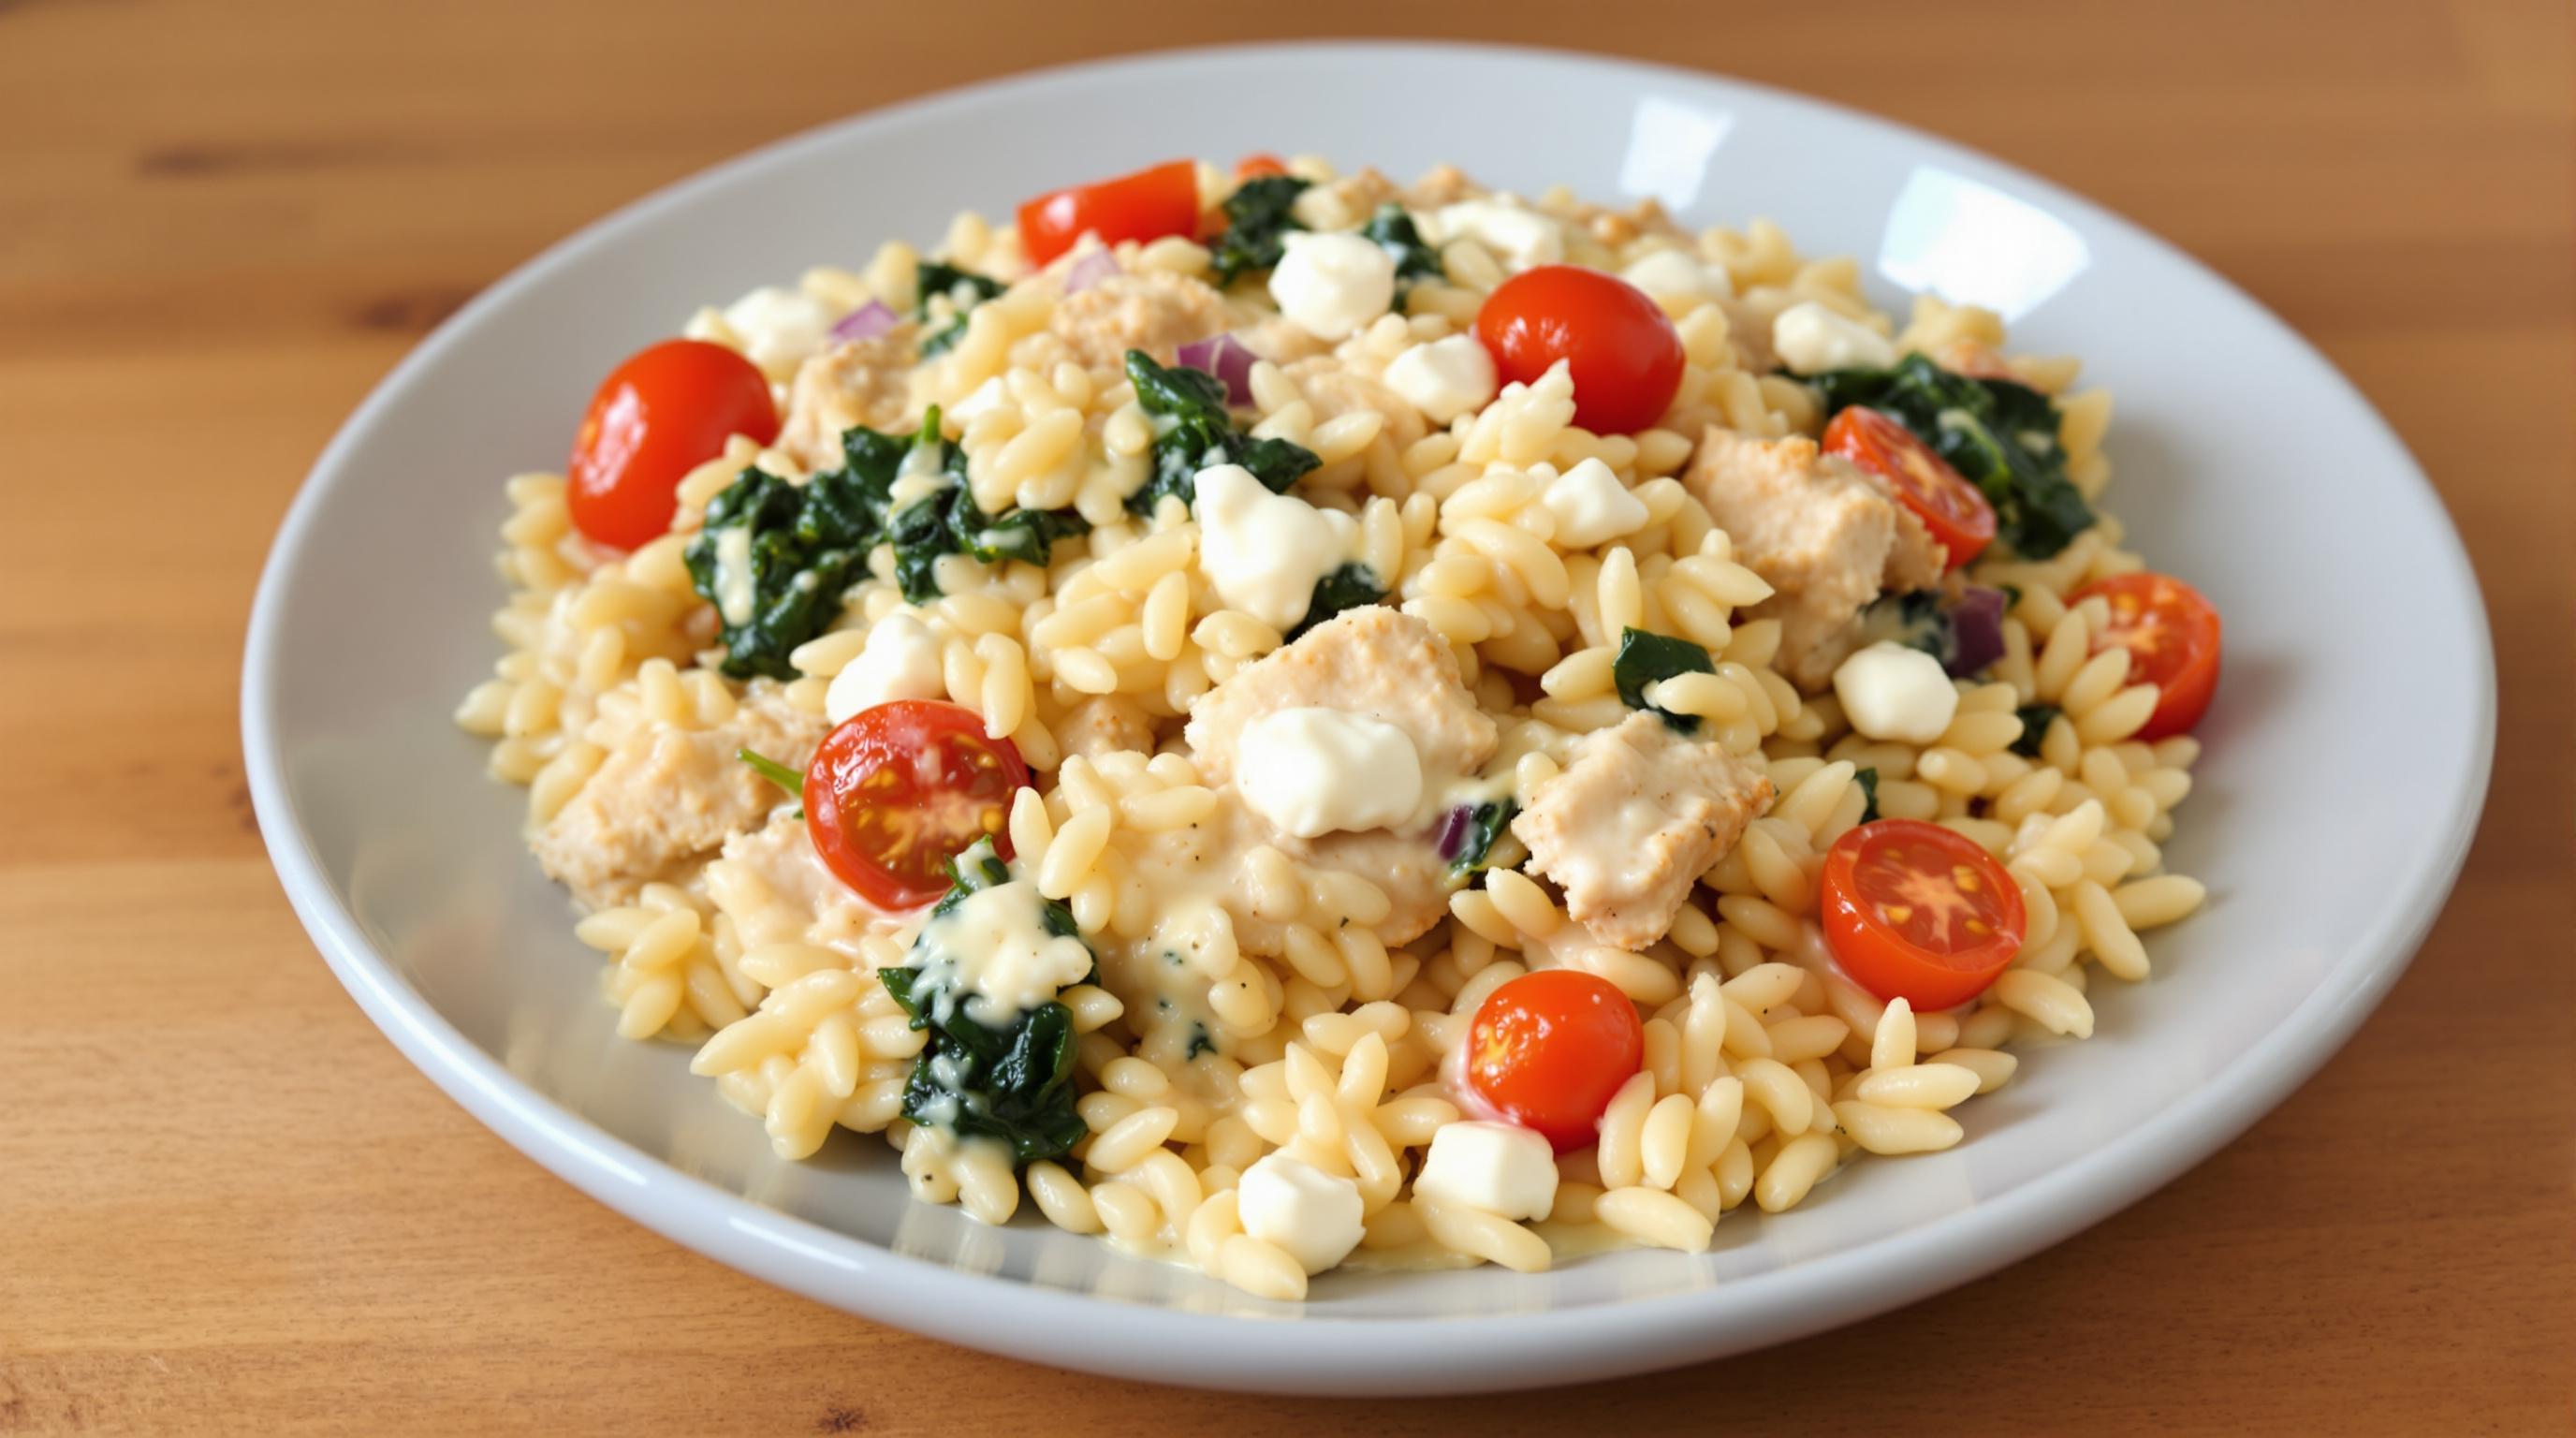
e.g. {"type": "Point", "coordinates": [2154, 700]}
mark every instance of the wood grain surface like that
{"type": "Point", "coordinates": [227, 1205]}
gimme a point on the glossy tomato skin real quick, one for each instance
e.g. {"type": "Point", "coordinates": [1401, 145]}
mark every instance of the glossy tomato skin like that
{"type": "Point", "coordinates": [1624, 354]}
{"type": "Point", "coordinates": [2172, 634]}
{"type": "Point", "coordinates": [665, 411]}
{"type": "Point", "coordinates": [1548, 1049]}
{"type": "Point", "coordinates": [1918, 912]}
{"type": "Point", "coordinates": [1954, 510]}
{"type": "Point", "coordinates": [895, 793]}
{"type": "Point", "coordinates": [1254, 166]}
{"type": "Point", "coordinates": [1146, 205]}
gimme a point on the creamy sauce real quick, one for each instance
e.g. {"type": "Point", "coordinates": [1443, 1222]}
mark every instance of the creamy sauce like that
{"type": "Point", "coordinates": [734, 593]}
{"type": "Point", "coordinates": [993, 950]}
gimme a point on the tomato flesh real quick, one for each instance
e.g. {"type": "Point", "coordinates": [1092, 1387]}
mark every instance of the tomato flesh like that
{"type": "Point", "coordinates": [1954, 510]}
{"type": "Point", "coordinates": [898, 791]}
{"type": "Point", "coordinates": [1146, 205]}
{"type": "Point", "coordinates": [1918, 912]}
{"type": "Point", "coordinates": [1624, 354]}
{"type": "Point", "coordinates": [664, 412]}
{"type": "Point", "coordinates": [2172, 635]}
{"type": "Point", "coordinates": [1548, 1049]}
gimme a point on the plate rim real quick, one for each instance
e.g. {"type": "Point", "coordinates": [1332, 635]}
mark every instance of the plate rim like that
{"type": "Point", "coordinates": [1310, 1352]}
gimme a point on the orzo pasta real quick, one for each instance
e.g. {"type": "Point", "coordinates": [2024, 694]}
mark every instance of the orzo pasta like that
{"type": "Point", "coordinates": [1297, 721]}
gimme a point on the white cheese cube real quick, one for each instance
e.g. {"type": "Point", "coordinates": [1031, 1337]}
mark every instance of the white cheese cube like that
{"type": "Point", "coordinates": [1445, 378]}
{"type": "Point", "coordinates": [1591, 506]}
{"type": "Point", "coordinates": [1314, 1215]}
{"type": "Point", "coordinates": [1517, 235]}
{"type": "Point", "coordinates": [1891, 692]}
{"type": "Point", "coordinates": [1497, 1167]}
{"type": "Point", "coordinates": [901, 661]}
{"type": "Point", "coordinates": [1313, 771]}
{"type": "Point", "coordinates": [1671, 272]}
{"type": "Point", "coordinates": [1264, 551]}
{"type": "Point", "coordinates": [1331, 285]}
{"type": "Point", "coordinates": [1810, 339]}
{"type": "Point", "coordinates": [779, 328]}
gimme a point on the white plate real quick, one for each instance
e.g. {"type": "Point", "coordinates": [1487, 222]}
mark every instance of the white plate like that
{"type": "Point", "coordinates": [2347, 754]}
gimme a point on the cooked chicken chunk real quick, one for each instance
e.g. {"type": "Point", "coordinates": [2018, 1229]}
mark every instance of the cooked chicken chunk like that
{"type": "Point", "coordinates": [1156, 313]}
{"type": "Point", "coordinates": [667, 797]}
{"type": "Point", "coordinates": [1334, 391]}
{"type": "Point", "coordinates": [1634, 820]}
{"type": "Point", "coordinates": [795, 895]}
{"type": "Point", "coordinates": [1105, 725]}
{"type": "Point", "coordinates": [1345, 203]}
{"type": "Point", "coordinates": [1375, 661]}
{"type": "Point", "coordinates": [1824, 533]}
{"type": "Point", "coordinates": [865, 382]}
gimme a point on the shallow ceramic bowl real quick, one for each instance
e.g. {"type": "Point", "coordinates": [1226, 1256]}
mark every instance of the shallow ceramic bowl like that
{"type": "Point", "coordinates": [2331, 813]}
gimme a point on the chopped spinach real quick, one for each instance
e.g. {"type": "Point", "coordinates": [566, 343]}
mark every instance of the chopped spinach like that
{"type": "Point", "coordinates": [781, 566]}
{"type": "Point", "coordinates": [2035, 719]}
{"type": "Point", "coordinates": [1644, 658]}
{"type": "Point", "coordinates": [1468, 835]}
{"type": "Point", "coordinates": [1394, 232]}
{"type": "Point", "coordinates": [1351, 586]}
{"type": "Point", "coordinates": [1013, 1082]}
{"type": "Point", "coordinates": [1999, 434]}
{"type": "Point", "coordinates": [1192, 431]}
{"type": "Point", "coordinates": [965, 290]}
{"type": "Point", "coordinates": [1201, 1042]}
{"type": "Point", "coordinates": [804, 544]}
{"type": "Point", "coordinates": [1257, 222]}
{"type": "Point", "coordinates": [1867, 779]}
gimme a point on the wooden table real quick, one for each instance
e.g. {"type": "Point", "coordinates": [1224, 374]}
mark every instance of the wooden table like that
{"type": "Point", "coordinates": [227, 1205]}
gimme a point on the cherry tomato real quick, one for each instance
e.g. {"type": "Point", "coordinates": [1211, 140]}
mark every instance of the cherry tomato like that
{"type": "Point", "coordinates": [1253, 167]}
{"type": "Point", "coordinates": [1625, 355]}
{"type": "Point", "coordinates": [2171, 633]}
{"type": "Point", "coordinates": [1146, 205]}
{"type": "Point", "coordinates": [900, 790]}
{"type": "Point", "coordinates": [664, 412]}
{"type": "Point", "coordinates": [1918, 912]}
{"type": "Point", "coordinates": [1549, 1048]}
{"type": "Point", "coordinates": [1949, 506]}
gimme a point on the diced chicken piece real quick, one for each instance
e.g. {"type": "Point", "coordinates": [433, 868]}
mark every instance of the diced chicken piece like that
{"type": "Point", "coordinates": [666, 797]}
{"type": "Point", "coordinates": [1209, 857]}
{"type": "Point", "coordinates": [1156, 313]}
{"type": "Point", "coordinates": [1346, 203]}
{"type": "Point", "coordinates": [1334, 391]}
{"type": "Point", "coordinates": [1443, 185]}
{"type": "Point", "coordinates": [1281, 340]}
{"type": "Point", "coordinates": [796, 896]}
{"type": "Point", "coordinates": [1821, 530]}
{"type": "Point", "coordinates": [1105, 725]}
{"type": "Point", "coordinates": [860, 382]}
{"type": "Point", "coordinates": [1628, 826]}
{"type": "Point", "coordinates": [1376, 661]}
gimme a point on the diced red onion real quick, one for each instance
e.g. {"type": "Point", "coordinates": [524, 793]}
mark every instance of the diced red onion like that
{"type": "Point", "coordinates": [1452, 838]}
{"type": "Point", "coordinates": [1090, 270]}
{"type": "Point", "coordinates": [866, 322]}
{"type": "Point", "coordinates": [1227, 359]}
{"type": "Point", "coordinates": [1976, 631]}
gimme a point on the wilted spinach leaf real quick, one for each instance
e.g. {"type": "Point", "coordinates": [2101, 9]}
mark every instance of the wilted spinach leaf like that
{"type": "Point", "coordinates": [2035, 719]}
{"type": "Point", "coordinates": [1257, 222]}
{"type": "Point", "coordinates": [1394, 232]}
{"type": "Point", "coordinates": [1192, 431]}
{"type": "Point", "coordinates": [1644, 658]}
{"type": "Point", "coordinates": [1349, 587]}
{"type": "Point", "coordinates": [965, 290]}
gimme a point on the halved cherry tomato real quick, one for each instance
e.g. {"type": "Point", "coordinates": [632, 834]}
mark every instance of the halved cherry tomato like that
{"type": "Point", "coordinates": [1253, 167]}
{"type": "Point", "coordinates": [2171, 633]}
{"type": "Point", "coordinates": [1625, 356]}
{"type": "Point", "coordinates": [1549, 1048]}
{"type": "Point", "coordinates": [1146, 205]}
{"type": "Point", "coordinates": [1919, 912]}
{"type": "Point", "coordinates": [898, 791]}
{"type": "Point", "coordinates": [1949, 506]}
{"type": "Point", "coordinates": [664, 412]}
